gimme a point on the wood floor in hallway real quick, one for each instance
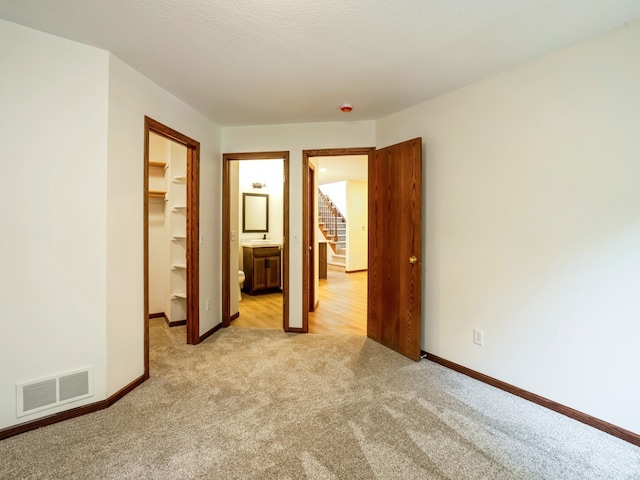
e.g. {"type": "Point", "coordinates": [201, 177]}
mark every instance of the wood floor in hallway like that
{"type": "Point", "coordinates": [342, 308]}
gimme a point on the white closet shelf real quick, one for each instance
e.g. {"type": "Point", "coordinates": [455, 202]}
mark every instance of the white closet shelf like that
{"type": "Point", "coordinates": [179, 179]}
{"type": "Point", "coordinates": [179, 296]}
{"type": "Point", "coordinates": [179, 237]}
{"type": "Point", "coordinates": [179, 208]}
{"type": "Point", "coordinates": [158, 164]}
{"type": "Point", "coordinates": [178, 266]}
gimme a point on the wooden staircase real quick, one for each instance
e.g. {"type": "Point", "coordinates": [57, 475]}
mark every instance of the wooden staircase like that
{"type": "Point", "coordinates": [334, 227]}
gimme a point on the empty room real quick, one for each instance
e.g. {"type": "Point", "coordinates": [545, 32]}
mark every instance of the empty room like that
{"type": "Point", "coordinates": [496, 233]}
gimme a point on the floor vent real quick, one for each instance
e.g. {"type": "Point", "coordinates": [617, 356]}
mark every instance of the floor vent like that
{"type": "Point", "coordinates": [44, 393]}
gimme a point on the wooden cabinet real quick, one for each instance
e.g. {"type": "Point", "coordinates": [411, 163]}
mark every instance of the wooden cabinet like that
{"type": "Point", "coordinates": [262, 267]}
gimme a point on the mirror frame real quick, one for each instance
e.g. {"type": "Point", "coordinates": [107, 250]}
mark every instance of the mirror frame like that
{"type": "Point", "coordinates": [258, 210]}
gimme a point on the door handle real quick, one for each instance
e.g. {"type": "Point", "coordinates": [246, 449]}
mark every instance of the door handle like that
{"type": "Point", "coordinates": [413, 260]}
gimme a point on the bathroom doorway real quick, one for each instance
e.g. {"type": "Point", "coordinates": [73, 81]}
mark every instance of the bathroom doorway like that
{"type": "Point", "coordinates": [254, 232]}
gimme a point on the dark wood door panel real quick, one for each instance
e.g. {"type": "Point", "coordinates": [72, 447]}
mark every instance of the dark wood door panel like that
{"type": "Point", "coordinates": [395, 243]}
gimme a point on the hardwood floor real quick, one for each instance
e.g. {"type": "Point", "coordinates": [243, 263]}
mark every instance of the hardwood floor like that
{"type": "Point", "coordinates": [342, 308]}
{"type": "Point", "coordinates": [343, 304]}
{"type": "Point", "coordinates": [260, 311]}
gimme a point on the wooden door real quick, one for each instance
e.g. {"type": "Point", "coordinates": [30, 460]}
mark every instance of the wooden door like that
{"type": "Point", "coordinates": [395, 247]}
{"type": "Point", "coordinates": [312, 192]}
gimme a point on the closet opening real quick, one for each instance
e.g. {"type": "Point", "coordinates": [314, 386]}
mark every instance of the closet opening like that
{"type": "Point", "coordinates": [171, 230]}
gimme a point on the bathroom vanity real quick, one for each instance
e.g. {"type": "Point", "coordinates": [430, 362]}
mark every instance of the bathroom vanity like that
{"type": "Point", "coordinates": [262, 266]}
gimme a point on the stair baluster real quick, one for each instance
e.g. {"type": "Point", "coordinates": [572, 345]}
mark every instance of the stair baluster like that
{"type": "Point", "coordinates": [329, 219]}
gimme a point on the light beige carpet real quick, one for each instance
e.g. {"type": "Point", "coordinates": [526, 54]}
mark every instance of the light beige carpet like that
{"type": "Point", "coordinates": [250, 403]}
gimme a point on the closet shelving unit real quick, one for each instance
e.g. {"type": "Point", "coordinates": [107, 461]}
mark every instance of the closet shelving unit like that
{"type": "Point", "coordinates": [177, 231]}
{"type": "Point", "coordinates": [167, 194]}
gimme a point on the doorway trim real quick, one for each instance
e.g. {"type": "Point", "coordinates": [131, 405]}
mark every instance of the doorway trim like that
{"type": "Point", "coordinates": [227, 158]}
{"type": "Point", "coordinates": [307, 221]}
{"type": "Point", "coordinates": [193, 231]}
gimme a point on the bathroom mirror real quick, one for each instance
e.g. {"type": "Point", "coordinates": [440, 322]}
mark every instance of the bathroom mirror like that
{"type": "Point", "coordinates": [255, 212]}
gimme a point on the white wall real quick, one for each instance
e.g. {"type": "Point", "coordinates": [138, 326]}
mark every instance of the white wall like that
{"type": "Point", "coordinates": [53, 149]}
{"type": "Point", "coordinates": [131, 97]}
{"type": "Point", "coordinates": [533, 224]}
{"type": "Point", "coordinates": [357, 225]}
{"type": "Point", "coordinates": [295, 138]}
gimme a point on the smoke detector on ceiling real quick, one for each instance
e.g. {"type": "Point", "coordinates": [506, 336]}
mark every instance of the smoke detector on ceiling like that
{"type": "Point", "coordinates": [346, 107]}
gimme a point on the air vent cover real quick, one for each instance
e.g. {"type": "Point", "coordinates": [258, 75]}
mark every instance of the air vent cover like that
{"type": "Point", "coordinates": [43, 393]}
{"type": "Point", "coordinates": [38, 395]}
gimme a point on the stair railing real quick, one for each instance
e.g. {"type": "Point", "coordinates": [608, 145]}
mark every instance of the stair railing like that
{"type": "Point", "coordinates": [329, 217]}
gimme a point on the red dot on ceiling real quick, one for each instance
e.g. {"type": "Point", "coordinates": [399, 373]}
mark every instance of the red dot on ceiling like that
{"type": "Point", "coordinates": [346, 107]}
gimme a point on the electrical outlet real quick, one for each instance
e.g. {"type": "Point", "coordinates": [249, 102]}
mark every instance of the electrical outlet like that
{"type": "Point", "coordinates": [208, 304]}
{"type": "Point", "coordinates": [478, 336]}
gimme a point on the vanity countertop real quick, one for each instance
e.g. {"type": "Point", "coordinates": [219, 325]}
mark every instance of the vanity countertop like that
{"type": "Point", "coordinates": [261, 243]}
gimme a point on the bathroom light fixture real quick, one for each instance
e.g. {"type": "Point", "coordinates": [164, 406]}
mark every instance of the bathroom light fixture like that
{"type": "Point", "coordinates": [346, 107]}
{"type": "Point", "coordinates": [258, 185]}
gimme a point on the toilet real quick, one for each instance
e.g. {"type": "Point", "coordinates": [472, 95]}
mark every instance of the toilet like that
{"type": "Point", "coordinates": [240, 282]}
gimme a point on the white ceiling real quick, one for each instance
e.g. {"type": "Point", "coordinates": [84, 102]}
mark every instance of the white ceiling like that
{"type": "Point", "coordinates": [250, 62]}
{"type": "Point", "coordinates": [340, 168]}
